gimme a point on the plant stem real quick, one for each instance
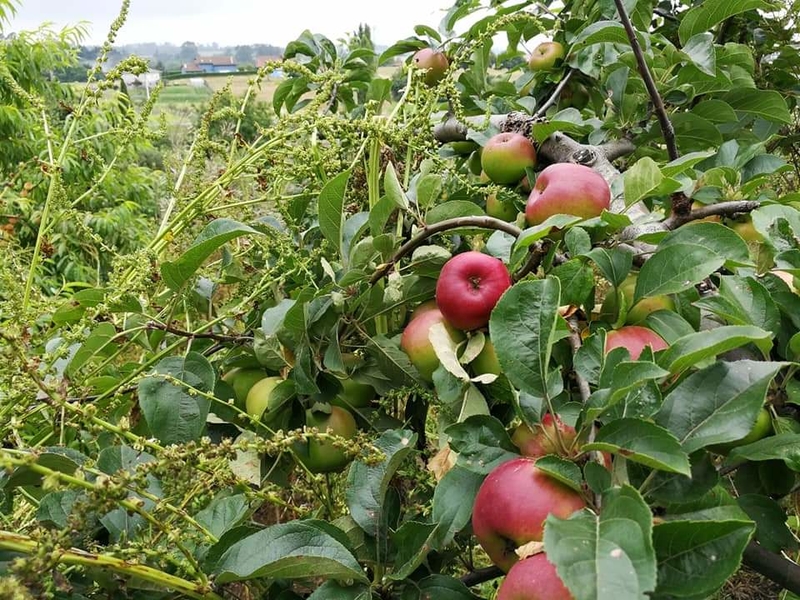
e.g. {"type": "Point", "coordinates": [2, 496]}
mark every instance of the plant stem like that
{"type": "Point", "coordinates": [724, 209]}
{"type": "Point", "coordinates": [554, 96]}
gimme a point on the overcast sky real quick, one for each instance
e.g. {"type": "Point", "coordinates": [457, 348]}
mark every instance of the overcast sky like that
{"type": "Point", "coordinates": [231, 22]}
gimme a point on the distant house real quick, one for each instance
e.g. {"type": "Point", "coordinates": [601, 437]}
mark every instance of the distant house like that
{"type": "Point", "coordinates": [262, 60]}
{"type": "Point", "coordinates": [210, 64]}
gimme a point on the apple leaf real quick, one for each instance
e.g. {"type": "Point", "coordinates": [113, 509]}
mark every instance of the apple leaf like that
{"type": "Point", "coordinates": [442, 587]}
{"type": "Point", "coordinates": [367, 485]}
{"type": "Point", "coordinates": [766, 104]}
{"type": "Point", "coordinates": [565, 471]}
{"type": "Point", "coordinates": [577, 282]}
{"type": "Point", "coordinates": [394, 192]}
{"type": "Point", "coordinates": [331, 208]}
{"type": "Point", "coordinates": [689, 350]}
{"type": "Point", "coordinates": [705, 16]}
{"type": "Point", "coordinates": [641, 180]}
{"type": "Point", "coordinates": [445, 348]}
{"type": "Point", "coordinates": [608, 556]}
{"type": "Point", "coordinates": [643, 442]}
{"type": "Point", "coordinates": [680, 489]}
{"type": "Point", "coordinates": [718, 404]}
{"type": "Point", "coordinates": [784, 446]}
{"type": "Point", "coordinates": [696, 557]}
{"type": "Point", "coordinates": [770, 519]}
{"type": "Point", "coordinates": [675, 269]}
{"type": "Point", "coordinates": [482, 443]}
{"type": "Point", "coordinates": [717, 239]}
{"type": "Point", "coordinates": [614, 263]}
{"type": "Point", "coordinates": [523, 328]}
{"type": "Point", "coordinates": [393, 361]}
{"type": "Point", "coordinates": [601, 32]}
{"type": "Point", "coordinates": [335, 590]}
{"type": "Point", "coordinates": [743, 301]}
{"type": "Point", "coordinates": [453, 499]}
{"type": "Point", "coordinates": [294, 550]}
{"type": "Point", "coordinates": [413, 541]}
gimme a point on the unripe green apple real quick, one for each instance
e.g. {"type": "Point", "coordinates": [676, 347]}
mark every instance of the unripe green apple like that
{"type": "Point", "coordinates": [242, 381]}
{"type": "Point", "coordinates": [486, 362]}
{"type": "Point", "coordinates": [574, 96]}
{"type": "Point", "coordinates": [570, 189]}
{"type": "Point", "coordinates": [500, 209]}
{"type": "Point", "coordinates": [545, 56]}
{"type": "Point", "coordinates": [354, 394]}
{"type": "Point", "coordinates": [324, 456]}
{"type": "Point", "coordinates": [533, 578]}
{"type": "Point", "coordinates": [506, 156]}
{"type": "Point", "coordinates": [761, 429]}
{"type": "Point", "coordinates": [747, 231]}
{"type": "Point", "coordinates": [634, 339]}
{"type": "Point", "coordinates": [434, 61]}
{"type": "Point", "coordinates": [258, 398]}
{"type": "Point", "coordinates": [512, 505]}
{"type": "Point", "coordinates": [416, 344]}
{"type": "Point", "coordinates": [638, 312]}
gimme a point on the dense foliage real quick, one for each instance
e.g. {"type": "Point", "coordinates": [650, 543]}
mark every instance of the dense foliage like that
{"type": "Point", "coordinates": [209, 387]}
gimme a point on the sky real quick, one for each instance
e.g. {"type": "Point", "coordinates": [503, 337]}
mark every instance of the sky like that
{"type": "Point", "coordinates": [234, 22]}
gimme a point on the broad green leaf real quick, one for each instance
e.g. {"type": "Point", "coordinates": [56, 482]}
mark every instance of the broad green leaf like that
{"type": "Point", "coordinates": [705, 16]}
{"type": "Point", "coordinates": [452, 210]}
{"type": "Point", "coordinates": [482, 443]}
{"type": "Point", "coordinates": [453, 499]}
{"type": "Point", "coordinates": [641, 180]}
{"type": "Point", "coordinates": [625, 377]}
{"type": "Point", "coordinates": [413, 541]}
{"type": "Point", "coordinates": [715, 238]}
{"type": "Point", "coordinates": [684, 163]}
{"type": "Point", "coordinates": [693, 133]}
{"type": "Point", "coordinates": [688, 351]}
{"type": "Point", "coordinates": [743, 301]}
{"type": "Point", "coordinates": [98, 342]}
{"type": "Point", "coordinates": [393, 361]}
{"type": "Point", "coordinates": [379, 215]}
{"type": "Point", "coordinates": [61, 460]}
{"type": "Point", "coordinates": [767, 104]}
{"type": "Point", "coordinates": [718, 404]}
{"type": "Point", "coordinates": [176, 273]}
{"type": "Point", "coordinates": [561, 469]}
{"type": "Point", "coordinates": [223, 514]}
{"type": "Point", "coordinates": [393, 189]}
{"type": "Point", "coordinates": [601, 32]}
{"type": "Point", "coordinates": [442, 587]}
{"type": "Point", "coordinates": [643, 442]}
{"type": "Point", "coordinates": [696, 557]}
{"type": "Point", "coordinates": [56, 508]}
{"type": "Point", "coordinates": [700, 50]}
{"type": "Point", "coordinates": [335, 590]}
{"type": "Point", "coordinates": [367, 485]}
{"type": "Point", "coordinates": [674, 269]}
{"type": "Point", "coordinates": [770, 519]}
{"type": "Point", "coordinates": [671, 488]}
{"type": "Point", "coordinates": [605, 557]}
{"type": "Point", "coordinates": [523, 329]}
{"type": "Point", "coordinates": [614, 263]}
{"type": "Point", "coordinates": [784, 446]}
{"type": "Point", "coordinates": [331, 209]}
{"type": "Point", "coordinates": [715, 111]}
{"type": "Point", "coordinates": [294, 550]}
{"type": "Point", "coordinates": [428, 190]}
{"type": "Point", "coordinates": [577, 282]}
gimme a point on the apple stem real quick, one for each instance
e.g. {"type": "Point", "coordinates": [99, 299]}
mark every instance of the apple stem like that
{"type": "Point", "coordinates": [554, 96]}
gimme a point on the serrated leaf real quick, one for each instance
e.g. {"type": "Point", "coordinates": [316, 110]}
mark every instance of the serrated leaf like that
{"type": "Point", "coordinates": [614, 263]}
{"type": "Point", "coordinates": [331, 209]}
{"type": "Point", "coordinates": [641, 180]}
{"type": "Point", "coordinates": [453, 499]}
{"type": "Point", "coordinates": [394, 191]}
{"type": "Point", "coordinates": [784, 447]}
{"type": "Point", "coordinates": [482, 443]}
{"type": "Point", "coordinates": [223, 514]}
{"type": "Point", "coordinates": [605, 557]}
{"type": "Point", "coordinates": [295, 550]}
{"type": "Point", "coordinates": [643, 442]}
{"type": "Point", "coordinates": [770, 519]}
{"type": "Point", "coordinates": [691, 349]}
{"type": "Point", "coordinates": [442, 587]}
{"type": "Point", "coordinates": [393, 361]}
{"type": "Point", "coordinates": [599, 33]}
{"type": "Point", "coordinates": [176, 273]}
{"type": "Point", "coordinates": [718, 404]}
{"type": "Point", "coordinates": [675, 269]}
{"type": "Point", "coordinates": [413, 541]}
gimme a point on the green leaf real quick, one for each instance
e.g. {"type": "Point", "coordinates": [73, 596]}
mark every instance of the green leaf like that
{"type": "Point", "coordinates": [428, 190]}
{"type": "Point", "coordinates": [335, 590]}
{"type": "Point", "coordinates": [453, 499]}
{"type": "Point", "coordinates": [367, 485]}
{"type": "Point", "coordinates": [694, 133]}
{"type": "Point", "coordinates": [482, 443]}
{"type": "Point", "coordinates": [700, 50]}
{"type": "Point", "coordinates": [452, 210]}
{"type": "Point", "coordinates": [770, 519]}
{"type": "Point", "coordinates": [601, 32]}
{"type": "Point", "coordinates": [331, 209]}
{"type": "Point", "coordinates": [675, 269]}
{"type": "Point", "coordinates": [696, 557]}
{"type": "Point", "coordinates": [223, 513]}
{"type": "Point", "coordinates": [565, 471]}
{"type": "Point", "coordinates": [641, 180]}
{"type": "Point", "coordinates": [767, 104]}
{"type": "Point", "coordinates": [413, 541]}
{"type": "Point", "coordinates": [56, 507]}
{"type": "Point", "coordinates": [715, 111]}
{"type": "Point", "coordinates": [643, 442]}
{"type": "Point", "coordinates": [523, 329]}
{"type": "Point", "coordinates": [685, 162]}
{"type": "Point", "coordinates": [442, 587]}
{"type": "Point", "coordinates": [743, 301]}
{"type": "Point", "coordinates": [688, 351]}
{"type": "Point", "coordinates": [577, 281]}
{"type": "Point", "coordinates": [711, 12]}
{"type": "Point", "coordinates": [392, 361]}
{"type": "Point", "coordinates": [614, 263]}
{"type": "Point", "coordinates": [393, 189]}
{"type": "Point", "coordinates": [715, 238]}
{"type": "Point", "coordinates": [605, 557]}
{"type": "Point", "coordinates": [784, 446]}
{"type": "Point", "coordinates": [98, 342]}
{"type": "Point", "coordinates": [718, 404]}
{"type": "Point", "coordinates": [215, 234]}
{"type": "Point", "coordinates": [295, 550]}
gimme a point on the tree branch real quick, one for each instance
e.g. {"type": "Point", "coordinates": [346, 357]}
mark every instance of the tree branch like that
{"type": "Point", "coordinates": [773, 566]}
{"type": "Point", "coordinates": [554, 96]}
{"type": "Point", "coordinates": [536, 253]}
{"type": "Point", "coordinates": [661, 112]}
{"type": "Point", "coordinates": [723, 209]}
{"type": "Point", "coordinates": [446, 225]}
{"type": "Point", "coordinates": [236, 339]}
{"type": "Point", "coordinates": [481, 576]}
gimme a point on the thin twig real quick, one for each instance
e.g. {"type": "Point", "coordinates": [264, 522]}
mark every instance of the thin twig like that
{"type": "Point", "coordinates": [661, 112]}
{"type": "Point", "coordinates": [554, 96]}
{"type": "Point", "coordinates": [723, 209]}
{"type": "Point", "coordinates": [436, 228]}
{"type": "Point", "coordinates": [481, 576]}
{"type": "Point", "coordinates": [236, 339]}
{"type": "Point", "coordinates": [535, 255]}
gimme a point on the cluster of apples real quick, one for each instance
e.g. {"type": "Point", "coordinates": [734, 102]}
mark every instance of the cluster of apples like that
{"type": "Point", "coordinates": [253, 392]}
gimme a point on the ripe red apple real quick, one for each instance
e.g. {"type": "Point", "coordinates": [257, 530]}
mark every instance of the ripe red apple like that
{"type": "Point", "coordinates": [500, 209]}
{"type": "Point", "coordinates": [567, 188]}
{"type": "Point", "coordinates": [421, 309]}
{"type": "Point", "coordinates": [512, 505]}
{"type": "Point", "coordinates": [542, 439]}
{"type": "Point", "coordinates": [324, 456]}
{"type": "Point", "coordinates": [634, 338]}
{"type": "Point", "coordinates": [434, 61]}
{"type": "Point", "coordinates": [533, 578]}
{"type": "Point", "coordinates": [417, 345]}
{"type": "Point", "coordinates": [638, 312]}
{"type": "Point", "coordinates": [469, 287]}
{"type": "Point", "coordinates": [486, 361]}
{"type": "Point", "coordinates": [506, 156]}
{"type": "Point", "coordinates": [545, 55]}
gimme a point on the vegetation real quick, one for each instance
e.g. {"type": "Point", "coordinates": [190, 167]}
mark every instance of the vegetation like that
{"type": "Point", "coordinates": [235, 363]}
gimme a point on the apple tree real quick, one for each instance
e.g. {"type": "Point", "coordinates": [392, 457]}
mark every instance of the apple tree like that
{"type": "Point", "coordinates": [533, 327]}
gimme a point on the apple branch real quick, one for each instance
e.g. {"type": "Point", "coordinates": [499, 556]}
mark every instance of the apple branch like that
{"type": "Point", "coordinates": [773, 566]}
{"type": "Point", "coordinates": [661, 112]}
{"type": "Point", "coordinates": [554, 96]}
{"type": "Point", "coordinates": [722, 209]}
{"type": "Point", "coordinates": [446, 225]}
{"type": "Point", "coordinates": [481, 576]}
{"type": "Point", "coordinates": [236, 339]}
{"type": "Point", "coordinates": [536, 253]}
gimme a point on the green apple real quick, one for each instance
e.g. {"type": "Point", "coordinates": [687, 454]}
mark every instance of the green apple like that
{"type": "Point", "coordinates": [416, 344]}
{"type": "Point", "coordinates": [638, 312]}
{"type": "Point", "coordinates": [259, 397]}
{"type": "Point", "coordinates": [486, 361]}
{"type": "Point", "coordinates": [354, 394]}
{"type": "Point", "coordinates": [761, 429]}
{"type": "Point", "coordinates": [324, 456]}
{"type": "Point", "coordinates": [545, 56]}
{"type": "Point", "coordinates": [242, 381]}
{"type": "Point", "coordinates": [501, 209]}
{"type": "Point", "coordinates": [506, 156]}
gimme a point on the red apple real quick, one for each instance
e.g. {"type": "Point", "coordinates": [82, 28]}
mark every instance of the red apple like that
{"type": "Point", "coordinates": [469, 287]}
{"type": "Point", "coordinates": [417, 345]}
{"type": "Point", "coordinates": [542, 439]}
{"type": "Point", "coordinates": [434, 61]}
{"type": "Point", "coordinates": [533, 578]}
{"type": "Point", "coordinates": [506, 156]}
{"type": "Point", "coordinates": [545, 55]}
{"type": "Point", "coordinates": [423, 308]}
{"type": "Point", "coordinates": [634, 338]}
{"type": "Point", "coordinates": [512, 505]}
{"type": "Point", "coordinates": [567, 188]}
